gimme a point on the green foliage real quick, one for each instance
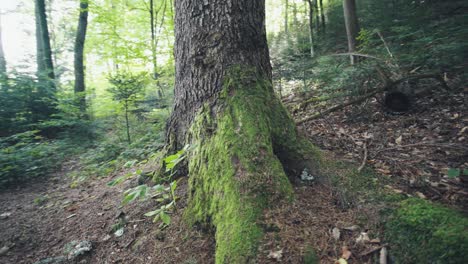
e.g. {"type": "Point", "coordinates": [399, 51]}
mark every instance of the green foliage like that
{"type": "Point", "coordinates": [401, 36]}
{"type": "Point", "coordinates": [126, 86]}
{"type": "Point", "coordinates": [423, 232]}
{"type": "Point", "coordinates": [22, 104]}
{"type": "Point", "coordinates": [310, 257]}
{"type": "Point", "coordinates": [28, 155]}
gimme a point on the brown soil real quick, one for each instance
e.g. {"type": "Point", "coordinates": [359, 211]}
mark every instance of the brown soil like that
{"type": "Point", "coordinates": [45, 216]}
{"type": "Point", "coordinates": [38, 230]}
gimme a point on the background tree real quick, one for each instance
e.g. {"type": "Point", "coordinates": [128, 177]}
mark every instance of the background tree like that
{"type": "Point", "coordinates": [352, 26]}
{"type": "Point", "coordinates": [45, 69]}
{"type": "Point", "coordinates": [126, 87]}
{"type": "Point", "coordinates": [3, 69]}
{"type": "Point", "coordinates": [311, 26]}
{"type": "Point", "coordinates": [80, 86]}
{"type": "Point", "coordinates": [243, 139]}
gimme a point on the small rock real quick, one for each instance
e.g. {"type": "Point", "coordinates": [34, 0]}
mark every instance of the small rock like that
{"type": "Point", "coordinates": [5, 215]}
{"type": "Point", "coordinates": [75, 249]}
{"type": "Point", "coordinates": [306, 176]}
{"type": "Point", "coordinates": [4, 250]}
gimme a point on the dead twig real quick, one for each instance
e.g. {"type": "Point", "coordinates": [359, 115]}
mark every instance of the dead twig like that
{"type": "Point", "coordinates": [356, 54]}
{"type": "Point", "coordinates": [387, 87]}
{"type": "Point", "coordinates": [425, 144]}
{"type": "Point", "coordinates": [371, 251]}
{"type": "Point", "coordinates": [364, 159]}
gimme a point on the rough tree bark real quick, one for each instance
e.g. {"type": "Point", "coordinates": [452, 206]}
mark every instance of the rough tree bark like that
{"type": "Point", "coordinates": [80, 86]}
{"type": "Point", "coordinates": [244, 145]}
{"type": "Point", "coordinates": [352, 26]}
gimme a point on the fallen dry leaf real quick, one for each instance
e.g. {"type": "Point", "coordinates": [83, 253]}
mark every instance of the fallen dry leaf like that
{"type": "Point", "coordinates": [346, 254]}
{"type": "Point", "coordinates": [363, 238]}
{"type": "Point", "coordinates": [276, 254]}
{"type": "Point", "coordinates": [399, 140]}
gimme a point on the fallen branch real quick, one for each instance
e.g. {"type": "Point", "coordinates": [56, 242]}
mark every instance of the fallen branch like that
{"type": "Point", "coordinates": [387, 87]}
{"type": "Point", "coordinates": [356, 54]}
{"type": "Point", "coordinates": [338, 107]}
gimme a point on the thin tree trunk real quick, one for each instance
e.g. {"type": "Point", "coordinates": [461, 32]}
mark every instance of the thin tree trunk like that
{"type": "Point", "coordinates": [127, 123]}
{"type": "Point", "coordinates": [311, 27]}
{"type": "Point", "coordinates": [43, 33]}
{"type": "Point", "coordinates": [3, 69]}
{"type": "Point", "coordinates": [322, 16]}
{"type": "Point", "coordinates": [317, 16]}
{"type": "Point", "coordinates": [242, 139]}
{"type": "Point", "coordinates": [41, 68]}
{"type": "Point", "coordinates": [286, 19]}
{"type": "Point", "coordinates": [80, 85]}
{"type": "Point", "coordinates": [153, 39]}
{"type": "Point", "coordinates": [352, 26]}
{"type": "Point", "coordinates": [44, 107]}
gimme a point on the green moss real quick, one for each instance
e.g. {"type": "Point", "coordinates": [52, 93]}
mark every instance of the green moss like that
{"type": "Point", "coordinates": [234, 172]}
{"type": "Point", "coordinates": [423, 232]}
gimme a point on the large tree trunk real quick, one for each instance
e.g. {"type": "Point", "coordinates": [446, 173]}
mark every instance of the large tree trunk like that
{"type": "Point", "coordinates": [80, 39]}
{"type": "Point", "coordinates": [242, 138]}
{"type": "Point", "coordinates": [352, 26]}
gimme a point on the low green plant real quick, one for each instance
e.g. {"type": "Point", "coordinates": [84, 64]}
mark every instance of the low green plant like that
{"type": "Point", "coordinates": [165, 196]}
{"type": "Point", "coordinates": [310, 257]}
{"type": "Point", "coordinates": [423, 232]}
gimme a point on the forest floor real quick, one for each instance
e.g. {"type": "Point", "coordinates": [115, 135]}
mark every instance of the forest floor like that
{"type": "Point", "coordinates": [43, 222]}
{"type": "Point", "coordinates": [415, 149]}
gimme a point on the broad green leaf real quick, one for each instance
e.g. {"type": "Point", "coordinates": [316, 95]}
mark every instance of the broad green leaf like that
{"type": "Point", "coordinates": [129, 197]}
{"type": "Point", "coordinates": [173, 186]}
{"type": "Point", "coordinates": [153, 213]}
{"type": "Point", "coordinates": [453, 173]}
{"type": "Point", "coordinates": [165, 218]}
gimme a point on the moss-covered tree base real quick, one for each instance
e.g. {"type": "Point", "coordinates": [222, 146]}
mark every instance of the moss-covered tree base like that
{"type": "Point", "coordinates": [239, 147]}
